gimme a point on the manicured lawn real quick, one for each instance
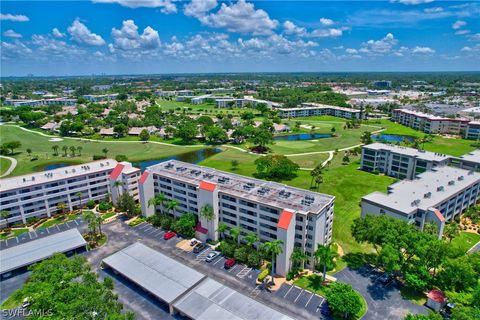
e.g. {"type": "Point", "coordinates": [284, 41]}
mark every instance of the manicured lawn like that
{"type": "Point", "coordinates": [4, 165]}
{"type": "Point", "coordinates": [414, 296]}
{"type": "Point", "coordinates": [309, 161]}
{"type": "Point", "coordinates": [42, 147]}
{"type": "Point", "coordinates": [13, 233]}
{"type": "Point", "coordinates": [52, 222]}
{"type": "Point", "coordinates": [107, 215]}
{"type": "Point", "coordinates": [465, 240]}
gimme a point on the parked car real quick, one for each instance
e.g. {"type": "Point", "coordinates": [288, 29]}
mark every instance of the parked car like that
{"type": "Point", "coordinates": [26, 302]}
{"type": "Point", "coordinates": [230, 262]}
{"type": "Point", "coordinates": [199, 247]}
{"type": "Point", "coordinates": [385, 278]}
{"type": "Point", "coordinates": [169, 235]}
{"type": "Point", "coordinates": [193, 242]}
{"type": "Point", "coordinates": [211, 256]}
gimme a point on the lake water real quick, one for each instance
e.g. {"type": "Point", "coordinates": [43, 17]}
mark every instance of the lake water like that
{"type": "Point", "coordinates": [303, 136]}
{"type": "Point", "coordinates": [392, 138]}
{"type": "Point", "coordinates": [190, 157]}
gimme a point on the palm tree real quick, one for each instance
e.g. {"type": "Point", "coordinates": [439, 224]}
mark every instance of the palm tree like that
{"type": "Point", "coordinates": [251, 239]}
{"type": "Point", "coordinates": [65, 149]}
{"type": "Point", "coordinates": [105, 151]}
{"type": "Point", "coordinates": [117, 184]}
{"type": "Point", "coordinates": [325, 255]}
{"type": "Point", "coordinates": [4, 216]}
{"type": "Point", "coordinates": [79, 195]}
{"type": "Point", "coordinates": [222, 227]}
{"type": "Point", "coordinates": [79, 150]}
{"type": "Point", "coordinates": [55, 150]}
{"type": "Point", "coordinates": [235, 234]}
{"type": "Point", "coordinates": [298, 257]}
{"type": "Point", "coordinates": [72, 150]}
{"type": "Point", "coordinates": [61, 207]}
{"type": "Point", "coordinates": [451, 230]}
{"type": "Point", "coordinates": [430, 228]}
{"type": "Point", "coordinates": [172, 205]}
{"type": "Point", "coordinates": [98, 219]}
{"type": "Point", "coordinates": [158, 200]}
{"type": "Point", "coordinates": [29, 151]}
{"type": "Point", "coordinates": [315, 172]}
{"type": "Point", "coordinates": [90, 218]}
{"type": "Point", "coordinates": [273, 248]}
{"type": "Point", "coordinates": [207, 212]}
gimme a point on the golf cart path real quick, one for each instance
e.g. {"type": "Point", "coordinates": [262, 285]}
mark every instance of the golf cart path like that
{"type": "Point", "coordinates": [13, 165]}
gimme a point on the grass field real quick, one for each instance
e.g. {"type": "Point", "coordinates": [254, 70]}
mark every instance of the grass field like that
{"type": "Point", "coordinates": [4, 165]}
{"type": "Point", "coordinates": [42, 148]}
{"type": "Point", "coordinates": [205, 108]}
{"type": "Point", "coordinates": [14, 233]}
{"type": "Point", "coordinates": [465, 240]}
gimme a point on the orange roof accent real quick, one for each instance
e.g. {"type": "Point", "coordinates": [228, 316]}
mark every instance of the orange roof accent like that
{"type": "Point", "coordinates": [208, 186]}
{"type": "Point", "coordinates": [437, 295]}
{"type": "Point", "coordinates": [143, 177]}
{"type": "Point", "coordinates": [116, 171]}
{"type": "Point", "coordinates": [285, 219]}
{"type": "Point", "coordinates": [439, 215]}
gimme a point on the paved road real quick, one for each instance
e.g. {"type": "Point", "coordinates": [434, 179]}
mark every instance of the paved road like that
{"type": "Point", "coordinates": [475, 248]}
{"type": "Point", "coordinates": [13, 165]}
{"type": "Point", "coordinates": [384, 301]}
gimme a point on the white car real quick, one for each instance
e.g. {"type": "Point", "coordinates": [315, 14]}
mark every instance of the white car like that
{"type": "Point", "coordinates": [193, 242]}
{"type": "Point", "coordinates": [211, 256]}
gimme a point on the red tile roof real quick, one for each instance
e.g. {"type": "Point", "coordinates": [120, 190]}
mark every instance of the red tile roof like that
{"type": "Point", "coordinates": [143, 177]}
{"type": "Point", "coordinates": [285, 219]}
{"type": "Point", "coordinates": [116, 171]}
{"type": "Point", "coordinates": [439, 215]}
{"type": "Point", "coordinates": [437, 295]}
{"type": "Point", "coordinates": [208, 186]}
{"type": "Point", "coordinates": [201, 229]}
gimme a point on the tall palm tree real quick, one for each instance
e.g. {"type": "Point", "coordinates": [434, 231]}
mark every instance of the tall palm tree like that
{"type": "Point", "coordinates": [90, 218]}
{"type": "Point", "coordinates": [273, 248]}
{"type": "Point", "coordinates": [61, 206]}
{"type": "Point", "coordinates": [65, 150]}
{"type": "Point", "coordinates": [315, 172]}
{"type": "Point", "coordinates": [252, 238]}
{"type": "Point", "coordinates": [79, 150]}
{"type": "Point", "coordinates": [325, 255]}
{"type": "Point", "coordinates": [222, 228]}
{"type": "Point", "coordinates": [55, 150]}
{"type": "Point", "coordinates": [207, 212]}
{"type": "Point", "coordinates": [105, 151]}
{"type": "Point", "coordinates": [318, 180]}
{"type": "Point", "coordinates": [298, 257]}
{"type": "Point", "coordinates": [430, 228]}
{"type": "Point", "coordinates": [117, 184]}
{"type": "Point", "coordinates": [4, 216]}
{"type": "Point", "coordinates": [235, 234]}
{"type": "Point", "coordinates": [158, 200]}
{"type": "Point", "coordinates": [172, 206]}
{"type": "Point", "coordinates": [451, 230]}
{"type": "Point", "coordinates": [72, 150]}
{"type": "Point", "coordinates": [79, 195]}
{"type": "Point", "coordinates": [99, 220]}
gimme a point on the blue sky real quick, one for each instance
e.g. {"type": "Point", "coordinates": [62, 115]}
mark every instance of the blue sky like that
{"type": "Point", "coordinates": [167, 36]}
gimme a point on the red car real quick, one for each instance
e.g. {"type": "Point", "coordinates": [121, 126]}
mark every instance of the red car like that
{"type": "Point", "coordinates": [169, 235]}
{"type": "Point", "coordinates": [230, 262]}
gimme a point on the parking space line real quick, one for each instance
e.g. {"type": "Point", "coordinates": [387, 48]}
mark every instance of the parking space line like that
{"type": "Point", "coordinates": [232, 268]}
{"type": "Point", "coordinates": [291, 287]}
{"type": "Point", "coordinates": [244, 272]}
{"type": "Point", "coordinates": [306, 304]}
{"type": "Point", "coordinates": [48, 231]}
{"type": "Point", "coordinates": [76, 222]}
{"type": "Point", "coordinates": [6, 243]}
{"type": "Point", "coordinates": [298, 296]}
{"type": "Point", "coordinates": [17, 239]}
{"type": "Point", "coordinates": [144, 226]}
{"type": "Point", "coordinates": [218, 260]}
{"type": "Point", "coordinates": [319, 305]}
{"type": "Point", "coordinates": [58, 228]}
{"type": "Point", "coordinates": [153, 231]}
{"type": "Point", "coordinates": [35, 233]}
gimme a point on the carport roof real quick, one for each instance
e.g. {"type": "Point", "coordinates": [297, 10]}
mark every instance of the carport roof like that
{"type": "Point", "coordinates": [162, 276]}
{"type": "Point", "coordinates": [28, 253]}
{"type": "Point", "coordinates": [213, 300]}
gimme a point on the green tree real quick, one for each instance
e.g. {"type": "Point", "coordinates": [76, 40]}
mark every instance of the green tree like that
{"type": "Point", "coordinates": [343, 300]}
{"type": "Point", "coordinates": [186, 131]}
{"type": "Point", "coordinates": [251, 239]}
{"type": "Point", "coordinates": [144, 135]}
{"type": "Point", "coordinates": [324, 255]}
{"type": "Point", "coordinates": [273, 249]}
{"type": "Point", "coordinates": [55, 150]}
{"type": "Point", "coordinates": [298, 258]}
{"type": "Point", "coordinates": [366, 137]}
{"type": "Point", "coordinates": [430, 228]}
{"type": "Point", "coordinates": [158, 200]}
{"type": "Point", "coordinates": [4, 216]}
{"type": "Point", "coordinates": [172, 206]}
{"type": "Point", "coordinates": [61, 207]}
{"type": "Point", "coordinates": [216, 135]}
{"type": "Point", "coordinates": [207, 212]}
{"type": "Point", "coordinates": [79, 195]}
{"type": "Point", "coordinates": [451, 230]}
{"type": "Point", "coordinates": [127, 204]}
{"type": "Point", "coordinates": [222, 228]}
{"type": "Point", "coordinates": [240, 254]}
{"type": "Point", "coordinates": [72, 150]}
{"type": "Point", "coordinates": [65, 150]}
{"type": "Point", "coordinates": [79, 150]}
{"type": "Point", "coordinates": [276, 166]}
{"type": "Point", "coordinates": [12, 145]}
{"type": "Point", "coordinates": [185, 224]}
{"type": "Point", "coordinates": [29, 151]}
{"type": "Point", "coordinates": [234, 164]}
{"type": "Point", "coordinates": [105, 151]}
{"type": "Point", "coordinates": [235, 234]}
{"type": "Point", "coordinates": [90, 218]}
{"type": "Point", "coordinates": [262, 137]}
{"type": "Point", "coordinates": [120, 129]}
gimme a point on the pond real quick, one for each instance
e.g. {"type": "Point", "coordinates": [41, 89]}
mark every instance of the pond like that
{"type": "Point", "coordinates": [393, 138]}
{"type": "Point", "coordinates": [303, 136]}
{"type": "Point", "coordinates": [191, 157]}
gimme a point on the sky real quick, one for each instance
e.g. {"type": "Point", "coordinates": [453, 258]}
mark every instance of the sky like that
{"type": "Point", "coordinates": [59, 38]}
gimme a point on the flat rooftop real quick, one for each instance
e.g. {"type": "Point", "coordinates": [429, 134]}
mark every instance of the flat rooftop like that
{"type": "Point", "coordinates": [421, 154]}
{"type": "Point", "coordinates": [213, 300]}
{"type": "Point", "coordinates": [473, 156]}
{"type": "Point", "coordinates": [37, 250]}
{"type": "Point", "coordinates": [261, 191]}
{"type": "Point", "coordinates": [428, 115]}
{"type": "Point", "coordinates": [315, 106]}
{"type": "Point", "coordinates": [162, 276]}
{"type": "Point", "coordinates": [428, 190]}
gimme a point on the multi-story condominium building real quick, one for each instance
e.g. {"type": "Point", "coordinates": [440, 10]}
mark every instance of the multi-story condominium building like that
{"type": "Point", "coordinates": [101, 97]}
{"type": "Point", "coordinates": [435, 196]}
{"type": "Point", "coordinates": [469, 161]}
{"type": "Point", "coordinates": [228, 102]}
{"type": "Point", "coordinates": [38, 194]}
{"type": "Point", "coordinates": [399, 162]}
{"type": "Point", "coordinates": [41, 102]}
{"type": "Point", "coordinates": [299, 218]}
{"type": "Point", "coordinates": [429, 123]}
{"type": "Point", "coordinates": [317, 109]}
{"type": "Point", "coordinates": [473, 130]}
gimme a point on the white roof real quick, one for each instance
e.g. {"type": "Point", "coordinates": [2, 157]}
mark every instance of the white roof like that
{"type": "Point", "coordinates": [421, 154]}
{"type": "Point", "coordinates": [473, 156]}
{"type": "Point", "coordinates": [160, 275]}
{"type": "Point", "coordinates": [437, 182]}
{"type": "Point", "coordinates": [314, 106]}
{"type": "Point", "coordinates": [33, 251]}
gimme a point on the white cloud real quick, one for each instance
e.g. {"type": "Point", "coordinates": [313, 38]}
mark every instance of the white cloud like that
{"type": "Point", "coordinates": [327, 33]}
{"type": "Point", "coordinates": [167, 6]}
{"type": "Point", "coordinates": [241, 17]}
{"type": "Point", "coordinates": [462, 32]}
{"type": "Point", "coordinates": [198, 8]}
{"type": "Point", "coordinates": [381, 46]}
{"type": "Point", "coordinates": [14, 50]}
{"type": "Point", "coordinates": [411, 2]}
{"type": "Point", "coordinates": [57, 33]}
{"type": "Point", "coordinates": [422, 50]}
{"type": "Point", "coordinates": [292, 28]}
{"type": "Point", "coordinates": [433, 10]}
{"type": "Point", "coordinates": [326, 22]}
{"type": "Point", "coordinates": [12, 34]}
{"type": "Point", "coordinates": [474, 37]}
{"type": "Point", "coordinates": [128, 38]}
{"type": "Point", "coordinates": [351, 51]}
{"type": "Point", "coordinates": [476, 48]}
{"type": "Point", "coordinates": [13, 17]}
{"type": "Point", "coordinates": [82, 35]}
{"type": "Point", "coordinates": [48, 46]}
{"type": "Point", "coordinates": [458, 24]}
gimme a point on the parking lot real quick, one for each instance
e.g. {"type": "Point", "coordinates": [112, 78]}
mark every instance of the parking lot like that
{"type": "Point", "coordinates": [40, 233]}
{"type": "Point", "coordinates": [303, 299]}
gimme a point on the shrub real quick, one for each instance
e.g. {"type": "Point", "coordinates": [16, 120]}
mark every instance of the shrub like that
{"type": "Point", "coordinates": [254, 259]}
{"type": "Point", "coordinates": [91, 204]}
{"type": "Point", "coordinates": [166, 222]}
{"type": "Point", "coordinates": [227, 248]}
{"type": "Point", "coordinates": [98, 157]}
{"type": "Point", "coordinates": [104, 206]}
{"type": "Point", "coordinates": [240, 254]}
{"type": "Point", "coordinates": [121, 157]}
{"type": "Point", "coordinates": [262, 275]}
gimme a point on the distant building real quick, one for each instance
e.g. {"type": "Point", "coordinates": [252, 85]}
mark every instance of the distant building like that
{"type": "Point", "coordinates": [317, 109]}
{"type": "Point", "coordinates": [382, 83]}
{"type": "Point", "coordinates": [469, 161]}
{"type": "Point", "coordinates": [378, 92]}
{"type": "Point", "coordinates": [429, 123]}
{"type": "Point", "coordinates": [399, 162]}
{"type": "Point", "coordinates": [102, 87]}
{"type": "Point", "coordinates": [434, 196]}
{"type": "Point", "coordinates": [101, 97]}
{"type": "Point", "coordinates": [227, 102]}
{"type": "Point", "coordinates": [41, 102]}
